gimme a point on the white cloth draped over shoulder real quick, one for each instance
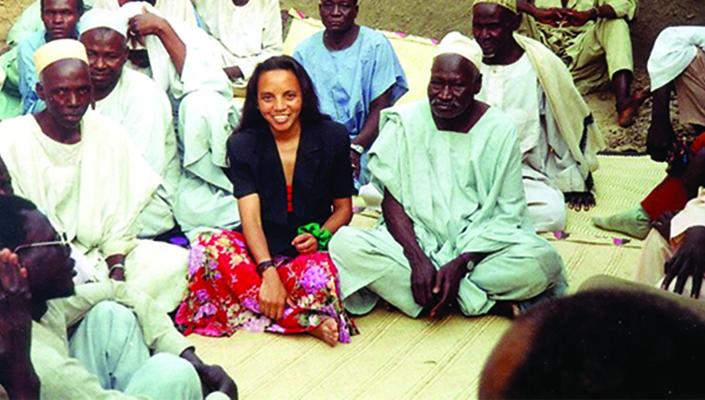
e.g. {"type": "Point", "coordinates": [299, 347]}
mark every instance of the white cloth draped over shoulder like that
{"type": "Point", "coordinates": [571, 113]}
{"type": "Point", "coordinates": [94, 191]}
{"type": "Point", "coordinates": [248, 34]}
{"type": "Point", "coordinates": [674, 49]}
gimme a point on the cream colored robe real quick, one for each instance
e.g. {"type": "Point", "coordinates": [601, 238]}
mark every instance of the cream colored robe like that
{"type": "Point", "coordinates": [179, 10]}
{"type": "Point", "coordinates": [570, 112]}
{"type": "Point", "coordinates": [248, 34]}
{"type": "Point", "coordinates": [206, 117]}
{"type": "Point", "coordinates": [94, 191]}
{"type": "Point", "coordinates": [144, 110]}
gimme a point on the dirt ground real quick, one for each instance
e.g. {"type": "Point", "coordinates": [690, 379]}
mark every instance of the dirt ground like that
{"type": "Point", "coordinates": [435, 18]}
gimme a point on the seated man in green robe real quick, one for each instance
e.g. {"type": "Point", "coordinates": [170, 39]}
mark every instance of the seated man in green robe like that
{"type": "Point", "coordinates": [592, 38]}
{"type": "Point", "coordinates": [93, 341]}
{"type": "Point", "coordinates": [455, 231]}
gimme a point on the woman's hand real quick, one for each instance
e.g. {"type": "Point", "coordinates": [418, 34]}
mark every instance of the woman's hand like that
{"type": "Point", "coordinates": [305, 243]}
{"type": "Point", "coordinates": [272, 294]}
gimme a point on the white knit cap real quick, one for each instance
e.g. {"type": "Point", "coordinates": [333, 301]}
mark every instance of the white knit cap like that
{"type": "Point", "coordinates": [457, 43]}
{"type": "Point", "coordinates": [99, 18]}
{"type": "Point", "coordinates": [56, 50]}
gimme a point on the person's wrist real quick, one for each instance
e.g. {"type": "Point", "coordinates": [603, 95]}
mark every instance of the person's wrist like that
{"type": "Point", "coordinates": [266, 268]}
{"type": "Point", "coordinates": [594, 14]}
{"type": "Point", "coordinates": [117, 269]}
{"type": "Point", "coordinates": [357, 148]}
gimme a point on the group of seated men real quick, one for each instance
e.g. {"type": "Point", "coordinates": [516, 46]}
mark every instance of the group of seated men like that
{"type": "Point", "coordinates": [123, 143]}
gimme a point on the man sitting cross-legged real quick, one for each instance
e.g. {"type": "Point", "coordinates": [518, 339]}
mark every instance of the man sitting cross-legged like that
{"type": "Point", "coordinates": [92, 341]}
{"type": "Point", "coordinates": [455, 229]}
{"type": "Point", "coordinates": [356, 73]}
{"type": "Point", "coordinates": [136, 102]}
{"type": "Point", "coordinates": [82, 170]}
{"type": "Point", "coordinates": [558, 137]}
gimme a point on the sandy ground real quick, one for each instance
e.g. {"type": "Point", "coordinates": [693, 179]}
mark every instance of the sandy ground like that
{"type": "Point", "coordinates": [435, 18]}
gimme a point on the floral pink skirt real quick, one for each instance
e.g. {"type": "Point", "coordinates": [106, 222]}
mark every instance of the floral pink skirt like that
{"type": "Point", "coordinates": [224, 291]}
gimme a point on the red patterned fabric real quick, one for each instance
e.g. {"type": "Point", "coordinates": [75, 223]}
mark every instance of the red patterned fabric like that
{"type": "Point", "coordinates": [224, 291]}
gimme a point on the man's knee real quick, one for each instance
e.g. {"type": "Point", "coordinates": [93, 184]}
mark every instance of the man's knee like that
{"type": "Point", "coordinates": [166, 375]}
{"type": "Point", "coordinates": [110, 313]}
{"type": "Point", "coordinates": [344, 244]}
{"type": "Point", "coordinates": [174, 369]}
{"type": "Point", "coordinates": [549, 216]}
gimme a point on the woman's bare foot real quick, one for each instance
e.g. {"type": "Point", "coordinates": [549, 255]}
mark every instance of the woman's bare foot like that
{"type": "Point", "coordinates": [327, 331]}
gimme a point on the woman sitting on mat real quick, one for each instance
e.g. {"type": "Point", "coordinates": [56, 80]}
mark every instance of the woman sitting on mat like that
{"type": "Point", "coordinates": [290, 168]}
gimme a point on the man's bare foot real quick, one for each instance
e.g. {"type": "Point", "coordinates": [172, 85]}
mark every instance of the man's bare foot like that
{"type": "Point", "coordinates": [327, 331]}
{"type": "Point", "coordinates": [626, 116]}
{"type": "Point", "coordinates": [505, 309]}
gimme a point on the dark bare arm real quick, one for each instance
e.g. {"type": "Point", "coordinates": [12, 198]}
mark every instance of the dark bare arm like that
{"type": "Point", "coordinates": [401, 228]}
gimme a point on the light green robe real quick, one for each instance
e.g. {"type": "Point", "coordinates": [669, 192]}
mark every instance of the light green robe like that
{"type": "Point", "coordinates": [463, 193]}
{"type": "Point", "coordinates": [595, 51]}
{"type": "Point", "coordinates": [64, 377]}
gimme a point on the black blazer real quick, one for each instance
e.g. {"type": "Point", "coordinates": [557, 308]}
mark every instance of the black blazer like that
{"type": "Point", "coordinates": [322, 173]}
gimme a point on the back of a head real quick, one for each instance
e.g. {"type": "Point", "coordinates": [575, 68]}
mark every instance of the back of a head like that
{"type": "Point", "coordinates": [610, 344]}
{"type": "Point", "coordinates": [12, 229]}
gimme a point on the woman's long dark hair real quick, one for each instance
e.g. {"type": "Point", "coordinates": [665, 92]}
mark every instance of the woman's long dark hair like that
{"type": "Point", "coordinates": [252, 118]}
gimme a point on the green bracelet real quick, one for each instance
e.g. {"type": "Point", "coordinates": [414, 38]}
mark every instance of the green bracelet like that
{"type": "Point", "coordinates": [316, 230]}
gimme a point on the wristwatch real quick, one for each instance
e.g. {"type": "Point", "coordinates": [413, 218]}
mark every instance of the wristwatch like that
{"type": "Point", "coordinates": [357, 148]}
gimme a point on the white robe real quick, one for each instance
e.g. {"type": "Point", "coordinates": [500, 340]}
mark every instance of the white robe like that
{"type": "Point", "coordinates": [548, 168]}
{"type": "Point", "coordinates": [93, 191]}
{"type": "Point", "coordinates": [674, 49]}
{"type": "Point", "coordinates": [144, 110]}
{"type": "Point", "coordinates": [248, 34]}
{"type": "Point", "coordinates": [206, 117]}
{"type": "Point", "coordinates": [179, 10]}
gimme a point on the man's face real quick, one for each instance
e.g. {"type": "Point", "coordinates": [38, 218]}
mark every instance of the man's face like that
{"type": "Point", "coordinates": [338, 15]}
{"type": "Point", "coordinates": [5, 181]}
{"type": "Point", "coordinates": [60, 18]}
{"type": "Point", "coordinates": [454, 83]}
{"type": "Point", "coordinates": [107, 54]}
{"type": "Point", "coordinates": [492, 27]}
{"type": "Point", "coordinates": [50, 268]}
{"type": "Point", "coordinates": [65, 87]}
